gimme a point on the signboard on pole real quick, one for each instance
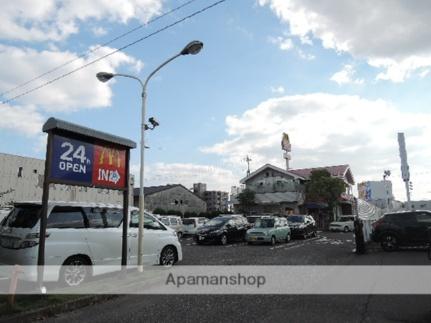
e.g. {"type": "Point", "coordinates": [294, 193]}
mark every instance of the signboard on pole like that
{"type": "Point", "coordinates": [77, 155]}
{"type": "Point", "coordinates": [81, 163]}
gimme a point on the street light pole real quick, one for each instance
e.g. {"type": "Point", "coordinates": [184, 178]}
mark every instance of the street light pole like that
{"type": "Point", "coordinates": [192, 48]}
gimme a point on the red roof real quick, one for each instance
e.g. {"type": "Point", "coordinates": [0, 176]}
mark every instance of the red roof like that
{"type": "Point", "coordinates": [342, 171]}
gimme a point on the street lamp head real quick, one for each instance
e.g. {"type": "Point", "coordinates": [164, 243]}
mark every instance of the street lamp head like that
{"type": "Point", "coordinates": [192, 48]}
{"type": "Point", "coordinates": [104, 76]}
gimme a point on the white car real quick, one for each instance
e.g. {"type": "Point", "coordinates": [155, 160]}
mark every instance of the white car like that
{"type": "Point", "coordinates": [345, 223]}
{"type": "Point", "coordinates": [82, 236]}
{"type": "Point", "coordinates": [174, 222]}
{"type": "Point", "coordinates": [191, 225]}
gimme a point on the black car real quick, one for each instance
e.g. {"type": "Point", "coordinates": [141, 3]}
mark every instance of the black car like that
{"type": "Point", "coordinates": [223, 229]}
{"type": "Point", "coordinates": [402, 229]}
{"type": "Point", "coordinates": [302, 226]}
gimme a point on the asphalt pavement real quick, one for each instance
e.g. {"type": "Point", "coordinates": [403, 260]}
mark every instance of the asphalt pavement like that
{"type": "Point", "coordinates": [326, 249]}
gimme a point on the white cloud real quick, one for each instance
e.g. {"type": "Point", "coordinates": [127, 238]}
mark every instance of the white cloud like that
{"type": "Point", "coordinates": [389, 34]}
{"type": "Point", "coordinates": [99, 31]}
{"type": "Point", "coordinates": [330, 129]}
{"type": "Point", "coordinates": [346, 76]}
{"type": "Point", "coordinates": [22, 119]}
{"type": "Point", "coordinates": [216, 178]}
{"type": "Point", "coordinates": [55, 20]}
{"type": "Point", "coordinates": [277, 89]}
{"type": "Point", "coordinates": [79, 90]}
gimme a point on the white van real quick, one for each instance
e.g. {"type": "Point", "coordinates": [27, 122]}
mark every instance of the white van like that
{"type": "Point", "coordinates": [83, 235]}
{"type": "Point", "coordinates": [174, 222]}
{"type": "Point", "coordinates": [191, 225]}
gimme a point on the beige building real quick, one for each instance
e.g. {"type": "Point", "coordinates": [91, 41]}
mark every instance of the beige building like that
{"type": "Point", "coordinates": [171, 198]}
{"type": "Point", "coordinates": [21, 179]}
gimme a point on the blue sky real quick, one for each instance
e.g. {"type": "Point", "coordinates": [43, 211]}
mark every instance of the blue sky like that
{"type": "Point", "coordinates": [342, 86]}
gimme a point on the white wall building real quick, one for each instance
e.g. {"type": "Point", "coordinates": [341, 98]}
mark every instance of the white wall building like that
{"type": "Point", "coordinates": [378, 193]}
{"type": "Point", "coordinates": [21, 179]}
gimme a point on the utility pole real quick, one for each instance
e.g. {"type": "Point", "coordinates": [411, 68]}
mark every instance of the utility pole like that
{"type": "Point", "coordinates": [248, 160]}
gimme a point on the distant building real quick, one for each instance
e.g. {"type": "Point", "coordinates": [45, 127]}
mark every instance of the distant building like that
{"type": "Point", "coordinates": [378, 193]}
{"type": "Point", "coordinates": [277, 191]}
{"type": "Point", "coordinates": [21, 179]}
{"type": "Point", "coordinates": [199, 189]}
{"type": "Point", "coordinates": [217, 201]}
{"type": "Point", "coordinates": [345, 201]}
{"type": "Point", "coordinates": [173, 197]}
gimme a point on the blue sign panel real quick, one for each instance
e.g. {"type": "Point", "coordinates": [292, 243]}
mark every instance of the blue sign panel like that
{"type": "Point", "coordinates": [72, 160]}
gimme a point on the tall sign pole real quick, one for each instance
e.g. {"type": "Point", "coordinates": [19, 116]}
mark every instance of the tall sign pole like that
{"type": "Point", "coordinates": [287, 148]}
{"type": "Point", "coordinates": [405, 172]}
{"type": "Point", "coordinates": [248, 160]}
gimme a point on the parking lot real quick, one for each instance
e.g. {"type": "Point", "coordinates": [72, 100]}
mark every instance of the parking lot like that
{"type": "Point", "coordinates": [327, 248]}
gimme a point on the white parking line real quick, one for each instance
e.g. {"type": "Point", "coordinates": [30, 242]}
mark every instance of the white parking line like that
{"type": "Point", "coordinates": [4, 278]}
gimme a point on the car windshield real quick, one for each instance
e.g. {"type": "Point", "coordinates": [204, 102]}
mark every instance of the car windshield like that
{"type": "Point", "coordinates": [217, 222]}
{"type": "Point", "coordinates": [165, 221]}
{"type": "Point", "coordinates": [264, 223]}
{"type": "Point", "coordinates": [296, 218]}
{"type": "Point", "coordinates": [23, 216]}
{"type": "Point", "coordinates": [252, 219]}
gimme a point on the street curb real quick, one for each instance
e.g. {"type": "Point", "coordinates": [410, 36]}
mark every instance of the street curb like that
{"type": "Point", "coordinates": [56, 309]}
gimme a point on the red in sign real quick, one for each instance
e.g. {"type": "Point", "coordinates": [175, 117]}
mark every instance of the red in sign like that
{"type": "Point", "coordinates": [109, 167]}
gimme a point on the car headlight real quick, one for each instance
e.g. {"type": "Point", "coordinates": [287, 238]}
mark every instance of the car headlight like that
{"type": "Point", "coordinates": [302, 226]}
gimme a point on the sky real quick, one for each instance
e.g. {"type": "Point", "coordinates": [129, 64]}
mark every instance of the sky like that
{"type": "Point", "coordinates": [341, 77]}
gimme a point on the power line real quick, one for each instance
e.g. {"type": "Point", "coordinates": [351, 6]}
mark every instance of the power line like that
{"type": "Point", "coordinates": [96, 48]}
{"type": "Point", "coordinates": [113, 52]}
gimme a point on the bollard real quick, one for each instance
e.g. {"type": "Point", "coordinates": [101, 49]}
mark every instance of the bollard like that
{"type": "Point", "coordinates": [13, 284]}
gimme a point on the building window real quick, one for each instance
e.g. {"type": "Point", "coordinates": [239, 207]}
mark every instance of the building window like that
{"type": "Point", "coordinates": [34, 171]}
{"type": "Point", "coordinates": [19, 171]}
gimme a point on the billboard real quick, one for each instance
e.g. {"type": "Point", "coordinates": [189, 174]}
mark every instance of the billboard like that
{"type": "Point", "coordinates": [78, 162]}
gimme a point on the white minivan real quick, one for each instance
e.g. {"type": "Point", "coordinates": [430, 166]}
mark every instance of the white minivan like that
{"type": "Point", "coordinates": [191, 225]}
{"type": "Point", "coordinates": [83, 236]}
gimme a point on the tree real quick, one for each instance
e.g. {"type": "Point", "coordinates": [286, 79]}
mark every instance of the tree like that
{"type": "Point", "coordinates": [322, 187]}
{"type": "Point", "coordinates": [246, 200]}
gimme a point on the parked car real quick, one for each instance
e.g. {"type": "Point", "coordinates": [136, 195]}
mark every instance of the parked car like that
{"type": "Point", "coordinates": [301, 225]}
{"type": "Point", "coordinates": [82, 238]}
{"type": "Point", "coordinates": [251, 219]}
{"type": "Point", "coordinates": [345, 223]}
{"type": "Point", "coordinates": [173, 221]}
{"type": "Point", "coordinates": [191, 225]}
{"type": "Point", "coordinates": [402, 229]}
{"type": "Point", "coordinates": [3, 213]}
{"type": "Point", "coordinates": [269, 229]}
{"type": "Point", "coordinates": [223, 229]}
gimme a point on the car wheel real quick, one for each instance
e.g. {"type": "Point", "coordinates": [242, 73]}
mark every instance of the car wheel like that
{"type": "Point", "coordinates": [168, 256]}
{"type": "Point", "coordinates": [273, 241]}
{"type": "Point", "coordinates": [346, 229]}
{"type": "Point", "coordinates": [288, 237]}
{"type": "Point", "coordinates": [389, 242]}
{"type": "Point", "coordinates": [75, 271]}
{"type": "Point", "coordinates": [223, 240]}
